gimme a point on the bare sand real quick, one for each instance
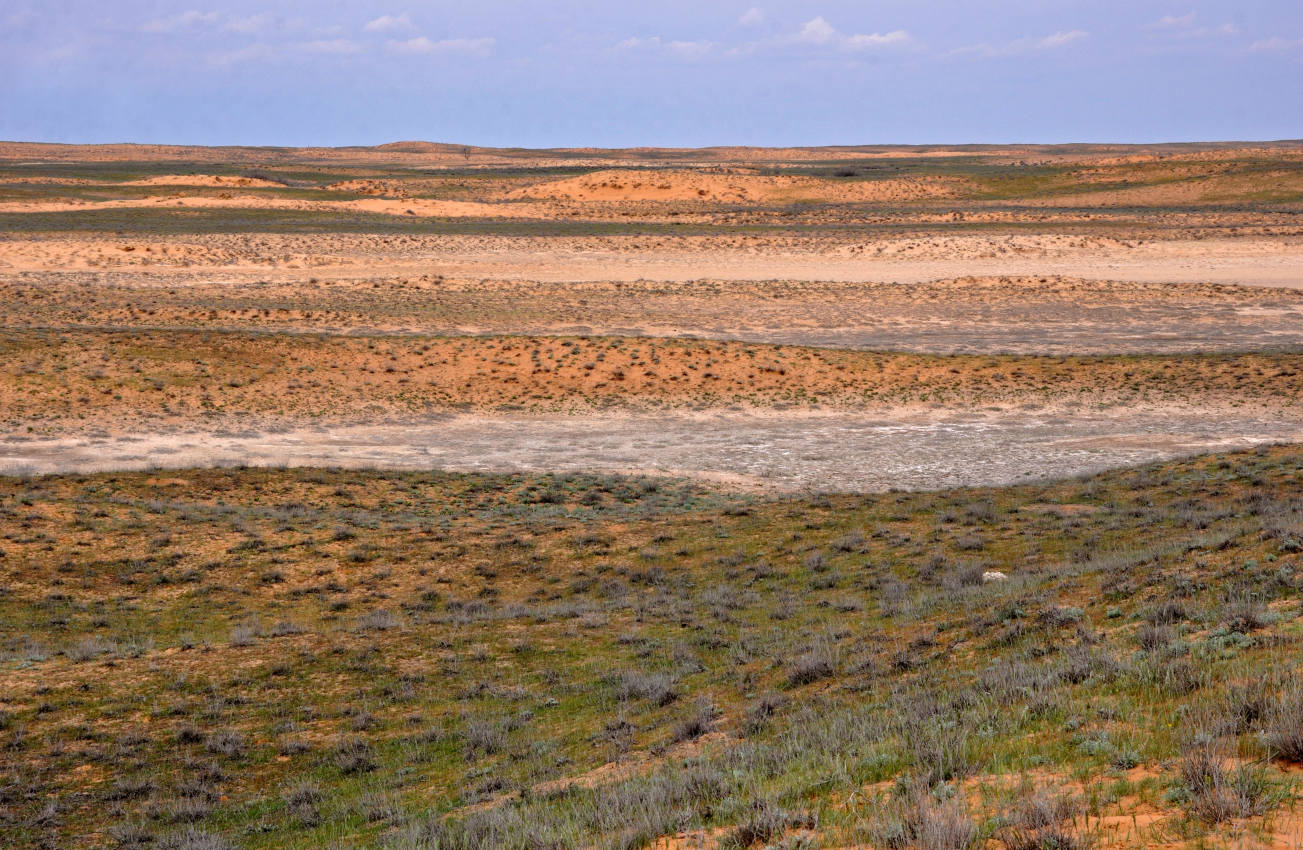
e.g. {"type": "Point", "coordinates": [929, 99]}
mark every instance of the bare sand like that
{"type": "Point", "coordinates": [382, 206]}
{"type": "Point", "coordinates": [919, 259]}
{"type": "Point", "coordinates": [915, 260]}
{"type": "Point", "coordinates": [741, 188]}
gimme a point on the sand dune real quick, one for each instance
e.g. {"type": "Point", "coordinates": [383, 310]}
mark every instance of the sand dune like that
{"type": "Point", "coordinates": [733, 187]}
{"type": "Point", "coordinates": [362, 186]}
{"type": "Point", "coordinates": [1194, 190]}
{"type": "Point", "coordinates": [385, 206]}
{"type": "Point", "coordinates": [214, 180]}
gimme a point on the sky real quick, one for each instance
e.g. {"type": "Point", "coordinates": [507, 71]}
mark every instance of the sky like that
{"type": "Point", "coordinates": [672, 73]}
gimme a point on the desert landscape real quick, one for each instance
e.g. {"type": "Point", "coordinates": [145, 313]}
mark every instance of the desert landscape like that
{"type": "Point", "coordinates": [427, 496]}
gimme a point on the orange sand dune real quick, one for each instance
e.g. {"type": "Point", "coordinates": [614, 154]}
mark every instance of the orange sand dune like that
{"type": "Point", "coordinates": [386, 206]}
{"type": "Point", "coordinates": [733, 186]}
{"type": "Point", "coordinates": [215, 180]}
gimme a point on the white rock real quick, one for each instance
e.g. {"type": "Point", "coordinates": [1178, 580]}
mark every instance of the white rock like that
{"type": "Point", "coordinates": [993, 575]}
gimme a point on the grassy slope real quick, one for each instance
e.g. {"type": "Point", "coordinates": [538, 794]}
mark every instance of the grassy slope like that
{"type": "Point", "coordinates": [314, 658]}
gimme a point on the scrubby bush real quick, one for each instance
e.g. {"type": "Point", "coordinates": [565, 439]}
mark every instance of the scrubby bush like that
{"type": "Point", "coordinates": [1283, 724]}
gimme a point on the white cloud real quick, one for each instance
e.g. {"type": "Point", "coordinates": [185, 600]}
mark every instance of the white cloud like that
{"type": "Point", "coordinates": [752, 17]}
{"type": "Point", "coordinates": [818, 31]}
{"type": "Point", "coordinates": [1276, 44]}
{"type": "Point", "coordinates": [339, 46]}
{"type": "Point", "coordinates": [196, 20]}
{"type": "Point", "coordinates": [691, 49]}
{"type": "Point", "coordinates": [1060, 38]}
{"type": "Point", "coordinates": [264, 52]}
{"type": "Point", "coordinates": [185, 20]}
{"type": "Point", "coordinates": [1174, 21]}
{"type": "Point", "coordinates": [860, 42]}
{"type": "Point", "coordinates": [1185, 27]}
{"type": "Point", "coordinates": [248, 25]}
{"type": "Point", "coordinates": [388, 23]}
{"type": "Point", "coordinates": [813, 33]}
{"type": "Point", "coordinates": [421, 44]}
{"type": "Point", "coordinates": [681, 49]}
{"type": "Point", "coordinates": [986, 50]}
{"type": "Point", "coordinates": [246, 55]}
{"type": "Point", "coordinates": [636, 43]}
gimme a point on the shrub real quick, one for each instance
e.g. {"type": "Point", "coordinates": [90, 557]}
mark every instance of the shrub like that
{"type": "Point", "coordinates": [1243, 707]}
{"type": "Point", "coordinates": [483, 737]}
{"type": "Point", "coordinates": [1216, 795]}
{"type": "Point", "coordinates": [193, 839]}
{"type": "Point", "coordinates": [1153, 638]}
{"type": "Point", "coordinates": [1283, 725]}
{"type": "Point", "coordinates": [379, 620]}
{"type": "Point", "coordinates": [245, 634]}
{"type": "Point", "coordinates": [658, 688]}
{"type": "Point", "coordinates": [88, 649]}
{"type": "Point", "coordinates": [230, 744]}
{"type": "Point", "coordinates": [354, 755]}
{"type": "Point", "coordinates": [765, 822]}
{"type": "Point", "coordinates": [940, 749]}
{"type": "Point", "coordinates": [852, 541]}
{"type": "Point", "coordinates": [183, 810]}
{"type": "Point", "coordinates": [1060, 616]}
{"type": "Point", "coordinates": [130, 789]}
{"type": "Point", "coordinates": [1245, 616]}
{"type": "Point", "coordinates": [811, 667]}
{"type": "Point", "coordinates": [919, 820]}
{"type": "Point", "coordinates": [301, 801]}
{"type": "Point", "coordinates": [1082, 663]}
{"type": "Point", "coordinates": [1172, 676]}
{"type": "Point", "coordinates": [1167, 613]}
{"type": "Point", "coordinates": [761, 711]}
{"type": "Point", "coordinates": [130, 835]}
{"type": "Point", "coordinates": [1038, 823]}
{"type": "Point", "coordinates": [698, 723]}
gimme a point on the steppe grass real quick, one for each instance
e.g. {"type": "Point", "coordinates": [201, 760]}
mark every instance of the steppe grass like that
{"type": "Point", "coordinates": [320, 658]}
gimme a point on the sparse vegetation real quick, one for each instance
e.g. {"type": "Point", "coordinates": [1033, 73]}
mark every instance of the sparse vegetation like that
{"type": "Point", "coordinates": [463, 685]}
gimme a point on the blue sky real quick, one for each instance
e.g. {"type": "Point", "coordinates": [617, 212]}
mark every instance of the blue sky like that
{"type": "Point", "coordinates": [572, 73]}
